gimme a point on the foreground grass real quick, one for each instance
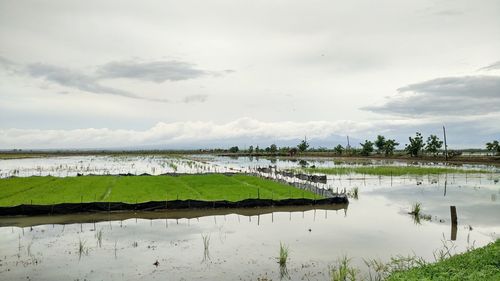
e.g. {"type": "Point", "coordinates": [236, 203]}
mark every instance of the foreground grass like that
{"type": "Point", "coordinates": [390, 170]}
{"type": "Point", "coordinates": [53, 190]}
{"type": "Point", "coordinates": [479, 264]}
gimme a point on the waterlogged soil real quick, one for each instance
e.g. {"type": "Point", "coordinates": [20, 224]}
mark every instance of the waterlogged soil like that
{"type": "Point", "coordinates": [244, 245]}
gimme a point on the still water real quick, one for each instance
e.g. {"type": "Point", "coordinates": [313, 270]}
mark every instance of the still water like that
{"type": "Point", "coordinates": [244, 244]}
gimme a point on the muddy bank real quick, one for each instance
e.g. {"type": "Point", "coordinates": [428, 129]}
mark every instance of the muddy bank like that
{"type": "Point", "coordinates": [72, 208]}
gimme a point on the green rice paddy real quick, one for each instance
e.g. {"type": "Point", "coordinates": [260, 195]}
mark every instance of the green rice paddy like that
{"type": "Point", "coordinates": [135, 189]}
{"type": "Point", "coordinates": [391, 170]}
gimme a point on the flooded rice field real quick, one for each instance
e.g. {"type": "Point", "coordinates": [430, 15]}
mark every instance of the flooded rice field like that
{"type": "Point", "coordinates": [157, 165]}
{"type": "Point", "coordinates": [243, 244]}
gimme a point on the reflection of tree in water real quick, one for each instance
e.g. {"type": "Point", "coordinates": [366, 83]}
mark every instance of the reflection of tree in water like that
{"type": "Point", "coordinates": [303, 163]}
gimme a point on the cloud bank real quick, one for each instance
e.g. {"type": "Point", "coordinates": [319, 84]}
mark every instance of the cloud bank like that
{"type": "Point", "coordinates": [246, 131]}
{"type": "Point", "coordinates": [448, 96]}
{"type": "Point", "coordinates": [177, 134]}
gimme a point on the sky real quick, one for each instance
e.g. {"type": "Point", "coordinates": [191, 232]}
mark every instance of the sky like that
{"type": "Point", "coordinates": [199, 74]}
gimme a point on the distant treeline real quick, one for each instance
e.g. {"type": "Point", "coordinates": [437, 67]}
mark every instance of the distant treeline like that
{"type": "Point", "coordinates": [416, 146]}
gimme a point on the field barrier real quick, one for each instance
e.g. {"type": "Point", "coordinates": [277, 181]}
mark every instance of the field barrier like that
{"type": "Point", "coordinates": [71, 208]}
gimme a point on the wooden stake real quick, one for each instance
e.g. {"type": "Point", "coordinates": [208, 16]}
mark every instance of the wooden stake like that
{"type": "Point", "coordinates": [445, 145]}
{"type": "Point", "coordinates": [453, 211]}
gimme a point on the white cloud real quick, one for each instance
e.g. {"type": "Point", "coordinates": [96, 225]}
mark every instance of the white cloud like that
{"type": "Point", "coordinates": [177, 134]}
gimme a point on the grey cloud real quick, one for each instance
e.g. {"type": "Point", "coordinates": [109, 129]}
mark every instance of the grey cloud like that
{"type": "Point", "coordinates": [73, 79]}
{"type": "Point", "coordinates": [9, 66]}
{"type": "Point", "coordinates": [492, 66]}
{"type": "Point", "coordinates": [195, 98]}
{"type": "Point", "coordinates": [473, 95]}
{"type": "Point", "coordinates": [467, 86]}
{"type": "Point", "coordinates": [157, 71]}
{"type": "Point", "coordinates": [449, 13]}
{"type": "Point", "coordinates": [5, 62]}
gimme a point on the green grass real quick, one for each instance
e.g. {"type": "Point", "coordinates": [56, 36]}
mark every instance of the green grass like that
{"type": "Point", "coordinates": [480, 264]}
{"type": "Point", "coordinates": [53, 190]}
{"type": "Point", "coordinates": [390, 170]}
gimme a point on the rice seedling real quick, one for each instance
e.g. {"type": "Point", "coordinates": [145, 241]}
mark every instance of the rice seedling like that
{"type": "Point", "coordinates": [353, 193]}
{"type": "Point", "coordinates": [343, 271]}
{"type": "Point", "coordinates": [415, 209]}
{"type": "Point", "coordinates": [206, 245]}
{"type": "Point", "coordinates": [283, 257]}
{"type": "Point", "coordinates": [282, 260]}
{"type": "Point", "coordinates": [82, 248]}
{"type": "Point", "coordinates": [98, 236]}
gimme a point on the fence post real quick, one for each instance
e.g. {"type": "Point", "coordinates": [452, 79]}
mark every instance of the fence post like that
{"type": "Point", "coordinates": [453, 211]}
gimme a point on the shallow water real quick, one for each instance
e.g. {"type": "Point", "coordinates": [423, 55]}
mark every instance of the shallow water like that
{"type": "Point", "coordinates": [156, 165]}
{"type": "Point", "coordinates": [244, 246]}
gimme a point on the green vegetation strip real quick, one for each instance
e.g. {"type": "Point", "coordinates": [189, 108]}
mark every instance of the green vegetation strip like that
{"type": "Point", "coordinates": [136, 189]}
{"type": "Point", "coordinates": [479, 264]}
{"type": "Point", "coordinates": [391, 170]}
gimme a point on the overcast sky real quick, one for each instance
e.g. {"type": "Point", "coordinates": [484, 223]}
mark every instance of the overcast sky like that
{"type": "Point", "coordinates": [179, 74]}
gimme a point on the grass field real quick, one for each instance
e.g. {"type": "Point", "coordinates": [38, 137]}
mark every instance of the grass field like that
{"type": "Point", "coordinates": [389, 170]}
{"type": "Point", "coordinates": [51, 190]}
{"type": "Point", "coordinates": [480, 264]}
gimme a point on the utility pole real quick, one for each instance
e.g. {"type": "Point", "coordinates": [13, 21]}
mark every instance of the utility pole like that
{"type": "Point", "coordinates": [445, 145]}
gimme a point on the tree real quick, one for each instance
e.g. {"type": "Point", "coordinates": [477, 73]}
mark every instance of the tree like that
{"type": "Point", "coordinates": [250, 149]}
{"type": "Point", "coordinates": [257, 149]}
{"type": "Point", "coordinates": [303, 145]}
{"type": "Point", "coordinates": [389, 146]}
{"type": "Point", "coordinates": [380, 143]}
{"type": "Point", "coordinates": [366, 148]}
{"type": "Point", "coordinates": [433, 144]}
{"type": "Point", "coordinates": [234, 149]}
{"type": "Point", "coordinates": [415, 146]}
{"type": "Point", "coordinates": [273, 148]}
{"type": "Point", "coordinates": [338, 149]}
{"type": "Point", "coordinates": [493, 146]}
{"type": "Point", "coordinates": [284, 149]}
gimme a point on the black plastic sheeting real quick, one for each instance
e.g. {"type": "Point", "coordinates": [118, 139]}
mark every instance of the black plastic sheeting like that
{"type": "Point", "coordinates": [71, 208]}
